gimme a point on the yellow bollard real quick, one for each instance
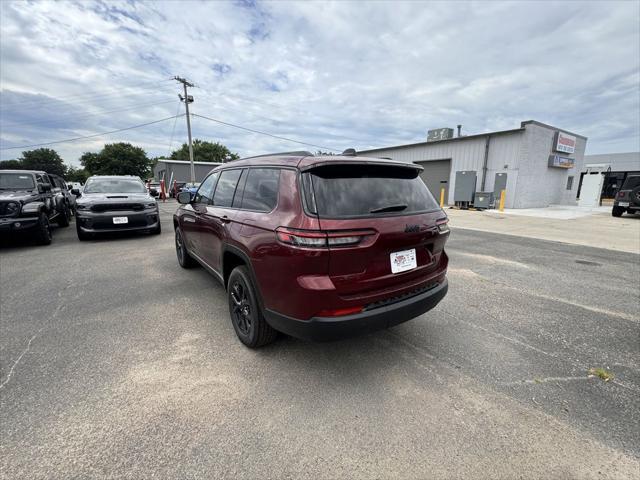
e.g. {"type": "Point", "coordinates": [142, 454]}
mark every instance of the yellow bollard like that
{"type": "Point", "coordinates": [442, 197]}
{"type": "Point", "coordinates": [503, 194]}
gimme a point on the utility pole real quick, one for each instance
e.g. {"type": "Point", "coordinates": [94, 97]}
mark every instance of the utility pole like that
{"type": "Point", "coordinates": [187, 99]}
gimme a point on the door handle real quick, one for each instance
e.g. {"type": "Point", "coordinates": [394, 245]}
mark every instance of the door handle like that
{"type": "Point", "coordinates": [225, 219]}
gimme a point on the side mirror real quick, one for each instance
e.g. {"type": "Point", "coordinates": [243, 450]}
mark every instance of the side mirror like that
{"type": "Point", "coordinates": [44, 187]}
{"type": "Point", "coordinates": [184, 198]}
{"type": "Point", "coordinates": [75, 191]}
{"type": "Point", "coordinates": [153, 192]}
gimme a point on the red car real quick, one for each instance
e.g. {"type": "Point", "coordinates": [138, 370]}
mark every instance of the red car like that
{"type": "Point", "coordinates": [317, 247]}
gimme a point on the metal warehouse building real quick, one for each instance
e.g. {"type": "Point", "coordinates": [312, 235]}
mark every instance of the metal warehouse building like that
{"type": "Point", "coordinates": [537, 164]}
{"type": "Point", "coordinates": [180, 170]}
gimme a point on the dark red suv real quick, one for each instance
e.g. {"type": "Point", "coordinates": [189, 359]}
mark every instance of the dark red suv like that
{"type": "Point", "coordinates": [317, 247]}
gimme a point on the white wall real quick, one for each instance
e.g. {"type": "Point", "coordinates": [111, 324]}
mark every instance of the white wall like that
{"type": "Point", "coordinates": [522, 154]}
{"type": "Point", "coordinates": [538, 184]}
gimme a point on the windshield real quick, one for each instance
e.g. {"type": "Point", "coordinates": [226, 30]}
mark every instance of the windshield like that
{"type": "Point", "coordinates": [114, 185]}
{"type": "Point", "coordinates": [16, 181]}
{"type": "Point", "coordinates": [367, 190]}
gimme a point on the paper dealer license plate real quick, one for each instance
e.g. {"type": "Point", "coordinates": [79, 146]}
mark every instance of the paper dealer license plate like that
{"type": "Point", "coordinates": [403, 261]}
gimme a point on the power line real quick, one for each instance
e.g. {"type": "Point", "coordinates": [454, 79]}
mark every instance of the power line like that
{"type": "Point", "coordinates": [80, 96]}
{"type": "Point", "coordinates": [66, 140]}
{"type": "Point", "coordinates": [54, 105]}
{"type": "Point", "coordinates": [28, 122]}
{"type": "Point", "coordinates": [266, 133]}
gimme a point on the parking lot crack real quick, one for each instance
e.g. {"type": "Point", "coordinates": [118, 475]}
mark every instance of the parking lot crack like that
{"type": "Point", "coordinates": [15, 364]}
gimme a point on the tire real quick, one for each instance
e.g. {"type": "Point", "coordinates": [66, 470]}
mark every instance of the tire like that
{"type": "Point", "coordinates": [184, 259]}
{"type": "Point", "coordinates": [64, 216]}
{"type": "Point", "coordinates": [617, 211]}
{"type": "Point", "coordinates": [82, 236]}
{"type": "Point", "coordinates": [246, 317]}
{"type": "Point", "coordinates": [43, 230]}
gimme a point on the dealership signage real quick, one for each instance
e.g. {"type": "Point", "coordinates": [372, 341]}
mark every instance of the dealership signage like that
{"type": "Point", "coordinates": [564, 143]}
{"type": "Point", "coordinates": [559, 161]}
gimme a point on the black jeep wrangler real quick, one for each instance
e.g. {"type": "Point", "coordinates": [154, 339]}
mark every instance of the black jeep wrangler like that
{"type": "Point", "coordinates": [28, 202]}
{"type": "Point", "coordinates": [628, 197]}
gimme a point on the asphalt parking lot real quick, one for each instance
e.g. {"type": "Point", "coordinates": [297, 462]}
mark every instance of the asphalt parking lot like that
{"type": "Point", "coordinates": [114, 362]}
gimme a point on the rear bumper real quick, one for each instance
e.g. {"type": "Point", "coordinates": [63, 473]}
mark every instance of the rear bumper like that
{"type": "Point", "coordinates": [627, 205]}
{"type": "Point", "coordinates": [92, 222]}
{"type": "Point", "coordinates": [332, 328]}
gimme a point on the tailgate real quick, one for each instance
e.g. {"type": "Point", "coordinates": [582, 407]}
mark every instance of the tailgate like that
{"type": "Point", "coordinates": [365, 269]}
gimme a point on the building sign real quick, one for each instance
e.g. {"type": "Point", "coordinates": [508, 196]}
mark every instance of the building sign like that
{"type": "Point", "coordinates": [439, 134]}
{"type": "Point", "coordinates": [564, 143]}
{"type": "Point", "coordinates": [558, 161]}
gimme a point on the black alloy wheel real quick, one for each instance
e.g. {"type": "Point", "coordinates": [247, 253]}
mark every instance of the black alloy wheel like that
{"type": "Point", "coordinates": [184, 259]}
{"type": "Point", "coordinates": [246, 316]}
{"type": "Point", "coordinates": [43, 230]}
{"type": "Point", "coordinates": [241, 309]}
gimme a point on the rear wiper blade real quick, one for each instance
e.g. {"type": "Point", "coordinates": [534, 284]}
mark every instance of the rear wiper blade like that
{"type": "Point", "coordinates": [390, 208]}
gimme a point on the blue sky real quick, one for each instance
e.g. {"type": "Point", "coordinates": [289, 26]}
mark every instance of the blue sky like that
{"type": "Point", "coordinates": [336, 74]}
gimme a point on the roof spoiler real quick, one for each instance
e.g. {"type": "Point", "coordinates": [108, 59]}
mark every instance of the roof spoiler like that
{"type": "Point", "coordinates": [369, 161]}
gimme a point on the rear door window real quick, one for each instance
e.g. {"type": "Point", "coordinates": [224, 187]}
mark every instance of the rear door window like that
{"type": "Point", "coordinates": [348, 191]}
{"type": "Point", "coordinates": [226, 188]}
{"type": "Point", "coordinates": [261, 189]}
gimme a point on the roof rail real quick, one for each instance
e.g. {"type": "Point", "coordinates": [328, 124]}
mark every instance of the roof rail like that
{"type": "Point", "coordinates": [299, 153]}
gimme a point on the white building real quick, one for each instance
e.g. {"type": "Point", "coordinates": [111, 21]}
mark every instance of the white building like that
{"type": "Point", "coordinates": [541, 163]}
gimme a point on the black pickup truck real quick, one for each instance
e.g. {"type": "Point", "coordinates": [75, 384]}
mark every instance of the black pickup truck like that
{"type": "Point", "coordinates": [29, 201]}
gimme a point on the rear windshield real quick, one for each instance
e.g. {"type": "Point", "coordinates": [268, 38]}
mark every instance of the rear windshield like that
{"type": "Point", "coordinates": [631, 182]}
{"type": "Point", "coordinates": [341, 191]}
{"type": "Point", "coordinates": [114, 185]}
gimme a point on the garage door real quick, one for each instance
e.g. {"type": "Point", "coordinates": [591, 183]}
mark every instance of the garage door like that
{"type": "Point", "coordinates": [436, 171]}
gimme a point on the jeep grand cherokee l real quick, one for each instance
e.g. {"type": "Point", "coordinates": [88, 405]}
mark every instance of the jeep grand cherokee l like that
{"type": "Point", "coordinates": [115, 204]}
{"type": "Point", "coordinates": [316, 247]}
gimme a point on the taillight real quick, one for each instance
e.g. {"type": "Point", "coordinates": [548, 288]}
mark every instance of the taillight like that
{"type": "Point", "coordinates": [442, 225]}
{"type": "Point", "coordinates": [321, 239]}
{"type": "Point", "coordinates": [302, 238]}
{"type": "Point", "coordinates": [620, 194]}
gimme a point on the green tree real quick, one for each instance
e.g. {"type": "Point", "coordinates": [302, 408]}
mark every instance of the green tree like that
{"type": "Point", "coordinates": [44, 159]}
{"type": "Point", "coordinates": [11, 165]}
{"type": "Point", "coordinates": [204, 151]}
{"type": "Point", "coordinates": [117, 159]}
{"type": "Point", "coordinates": [77, 175]}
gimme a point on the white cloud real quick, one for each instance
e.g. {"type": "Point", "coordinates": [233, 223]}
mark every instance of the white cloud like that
{"type": "Point", "coordinates": [339, 74]}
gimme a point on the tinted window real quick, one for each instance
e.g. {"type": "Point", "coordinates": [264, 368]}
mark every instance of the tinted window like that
{"type": "Point", "coordinates": [261, 189]}
{"type": "Point", "coordinates": [205, 192]}
{"type": "Point", "coordinates": [631, 182]}
{"type": "Point", "coordinates": [114, 185]}
{"type": "Point", "coordinates": [369, 190]}
{"type": "Point", "coordinates": [237, 198]}
{"type": "Point", "coordinates": [226, 188]}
